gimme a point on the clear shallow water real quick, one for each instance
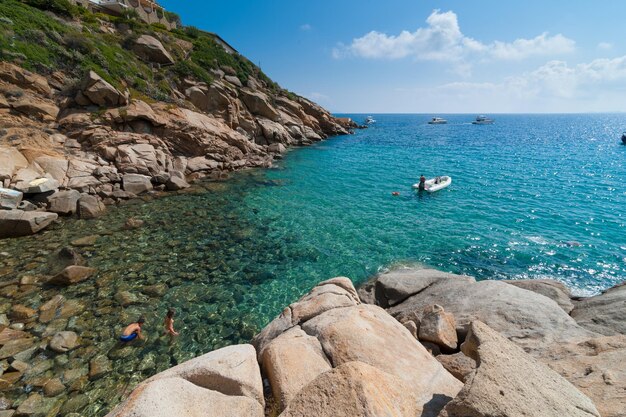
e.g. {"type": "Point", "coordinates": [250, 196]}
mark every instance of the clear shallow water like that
{"type": "Point", "coordinates": [230, 255]}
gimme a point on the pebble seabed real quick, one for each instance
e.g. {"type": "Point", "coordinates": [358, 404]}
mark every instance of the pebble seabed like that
{"type": "Point", "coordinates": [196, 252]}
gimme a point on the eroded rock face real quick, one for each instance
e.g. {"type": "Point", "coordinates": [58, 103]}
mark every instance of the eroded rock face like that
{"type": "Point", "coordinates": [439, 327]}
{"type": "Point", "coordinates": [18, 76]}
{"type": "Point", "coordinates": [509, 382]}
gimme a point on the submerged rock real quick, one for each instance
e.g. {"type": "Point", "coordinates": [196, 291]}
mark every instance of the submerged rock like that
{"type": "Point", "coordinates": [64, 342]}
{"type": "Point", "coordinates": [71, 275]}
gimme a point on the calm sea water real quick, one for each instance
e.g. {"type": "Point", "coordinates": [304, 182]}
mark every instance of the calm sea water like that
{"type": "Point", "coordinates": [533, 196]}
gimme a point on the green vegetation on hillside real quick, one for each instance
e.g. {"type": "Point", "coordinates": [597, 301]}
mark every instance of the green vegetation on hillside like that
{"type": "Point", "coordinates": [74, 40]}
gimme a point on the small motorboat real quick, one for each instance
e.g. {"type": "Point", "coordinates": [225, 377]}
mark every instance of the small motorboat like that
{"type": "Point", "coordinates": [437, 121]}
{"type": "Point", "coordinates": [369, 120]}
{"type": "Point", "coordinates": [483, 120]}
{"type": "Point", "coordinates": [435, 184]}
{"type": "Point", "coordinates": [624, 138]}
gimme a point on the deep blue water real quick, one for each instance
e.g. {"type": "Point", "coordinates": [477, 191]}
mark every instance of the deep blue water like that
{"type": "Point", "coordinates": [533, 196]}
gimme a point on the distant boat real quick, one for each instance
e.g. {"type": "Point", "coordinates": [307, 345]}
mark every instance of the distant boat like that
{"type": "Point", "coordinates": [483, 120]}
{"type": "Point", "coordinates": [369, 120]}
{"type": "Point", "coordinates": [437, 121]}
{"type": "Point", "coordinates": [435, 184]}
{"type": "Point", "coordinates": [624, 138]}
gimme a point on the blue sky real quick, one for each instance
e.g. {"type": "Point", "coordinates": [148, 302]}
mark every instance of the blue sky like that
{"type": "Point", "coordinates": [420, 56]}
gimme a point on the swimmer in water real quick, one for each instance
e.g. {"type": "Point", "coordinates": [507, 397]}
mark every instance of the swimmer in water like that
{"type": "Point", "coordinates": [169, 323]}
{"type": "Point", "coordinates": [132, 331]}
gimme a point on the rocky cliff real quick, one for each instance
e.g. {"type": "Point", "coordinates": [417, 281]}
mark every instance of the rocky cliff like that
{"type": "Point", "coordinates": [443, 345]}
{"type": "Point", "coordinates": [123, 108]}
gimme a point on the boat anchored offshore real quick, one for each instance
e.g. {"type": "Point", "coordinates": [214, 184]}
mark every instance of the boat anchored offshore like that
{"type": "Point", "coordinates": [483, 120]}
{"type": "Point", "coordinates": [369, 120]}
{"type": "Point", "coordinates": [437, 121]}
{"type": "Point", "coordinates": [435, 184]}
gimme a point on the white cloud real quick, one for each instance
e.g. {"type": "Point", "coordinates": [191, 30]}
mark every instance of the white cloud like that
{"type": "Point", "coordinates": [442, 40]}
{"type": "Point", "coordinates": [306, 27]}
{"type": "Point", "coordinates": [598, 85]}
{"type": "Point", "coordinates": [605, 45]}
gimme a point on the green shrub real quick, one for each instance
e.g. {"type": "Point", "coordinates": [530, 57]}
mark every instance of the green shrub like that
{"type": "Point", "coordinates": [62, 7]}
{"type": "Point", "coordinates": [192, 32]}
{"type": "Point", "coordinates": [186, 69]}
{"type": "Point", "coordinates": [173, 18]}
{"type": "Point", "coordinates": [78, 42]}
{"type": "Point", "coordinates": [159, 26]}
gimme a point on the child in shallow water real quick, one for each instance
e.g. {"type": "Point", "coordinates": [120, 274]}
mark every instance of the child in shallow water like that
{"type": "Point", "coordinates": [132, 331]}
{"type": "Point", "coordinates": [169, 323]}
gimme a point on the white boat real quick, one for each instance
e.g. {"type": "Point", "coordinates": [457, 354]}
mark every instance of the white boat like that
{"type": "Point", "coordinates": [483, 120]}
{"type": "Point", "coordinates": [437, 121]}
{"type": "Point", "coordinates": [369, 120]}
{"type": "Point", "coordinates": [435, 184]}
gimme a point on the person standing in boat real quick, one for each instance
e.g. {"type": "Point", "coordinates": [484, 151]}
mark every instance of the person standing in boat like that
{"type": "Point", "coordinates": [422, 184]}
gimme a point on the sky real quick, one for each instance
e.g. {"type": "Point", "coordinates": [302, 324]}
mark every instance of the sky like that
{"type": "Point", "coordinates": [427, 56]}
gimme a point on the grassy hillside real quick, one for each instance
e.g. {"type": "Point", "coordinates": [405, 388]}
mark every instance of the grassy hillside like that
{"type": "Point", "coordinates": [53, 35]}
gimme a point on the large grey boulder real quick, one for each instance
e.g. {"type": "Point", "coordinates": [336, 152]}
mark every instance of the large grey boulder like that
{"type": "Point", "coordinates": [604, 313]}
{"type": "Point", "coordinates": [136, 183]}
{"type": "Point", "coordinates": [90, 206]}
{"type": "Point", "coordinates": [10, 199]}
{"type": "Point", "coordinates": [550, 288]}
{"type": "Point", "coordinates": [95, 90]}
{"type": "Point", "coordinates": [40, 186]}
{"type": "Point", "coordinates": [225, 382]}
{"type": "Point", "coordinates": [291, 361]}
{"type": "Point", "coordinates": [367, 334]}
{"type": "Point", "coordinates": [151, 49]}
{"type": "Point", "coordinates": [181, 398]}
{"type": "Point", "coordinates": [64, 202]}
{"type": "Point", "coordinates": [16, 223]}
{"type": "Point", "coordinates": [533, 321]}
{"type": "Point", "coordinates": [259, 104]}
{"type": "Point", "coordinates": [509, 382]}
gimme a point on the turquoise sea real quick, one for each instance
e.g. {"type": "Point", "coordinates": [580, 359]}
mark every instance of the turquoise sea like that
{"type": "Point", "coordinates": [533, 196]}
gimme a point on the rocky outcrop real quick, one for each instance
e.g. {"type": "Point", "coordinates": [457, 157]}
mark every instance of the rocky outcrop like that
{"type": "Point", "coordinates": [20, 77]}
{"type": "Point", "coordinates": [530, 319]}
{"type": "Point", "coordinates": [349, 332]}
{"type": "Point", "coordinates": [151, 49]}
{"type": "Point", "coordinates": [509, 382]}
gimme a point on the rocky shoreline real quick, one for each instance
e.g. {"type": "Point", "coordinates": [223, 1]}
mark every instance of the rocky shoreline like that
{"type": "Point", "coordinates": [412, 342]}
{"type": "Point", "coordinates": [73, 151]}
